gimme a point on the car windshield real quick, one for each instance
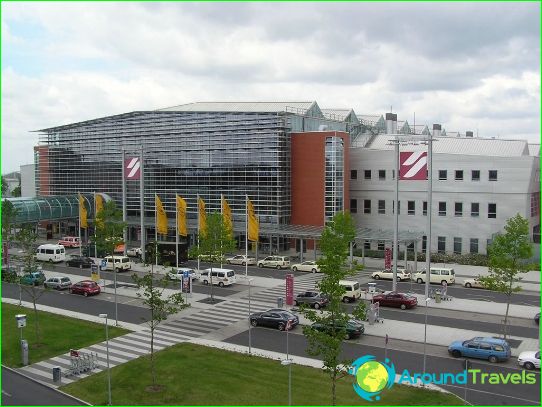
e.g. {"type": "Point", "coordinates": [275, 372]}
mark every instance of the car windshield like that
{"type": "Point", "coordinates": [230, 274]}
{"type": "Point", "coordinates": [65, 279]}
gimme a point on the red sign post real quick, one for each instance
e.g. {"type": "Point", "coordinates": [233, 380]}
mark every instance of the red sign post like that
{"type": "Point", "coordinates": [413, 165]}
{"type": "Point", "coordinates": [289, 289]}
{"type": "Point", "coordinates": [387, 258]}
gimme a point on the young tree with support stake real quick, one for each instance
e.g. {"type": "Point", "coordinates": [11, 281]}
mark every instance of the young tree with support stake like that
{"type": "Point", "coordinates": [327, 343]}
{"type": "Point", "coordinates": [508, 258]}
{"type": "Point", "coordinates": [109, 228]}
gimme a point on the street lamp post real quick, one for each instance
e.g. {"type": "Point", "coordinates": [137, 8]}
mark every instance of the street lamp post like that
{"type": "Point", "coordinates": [107, 352]}
{"type": "Point", "coordinates": [425, 334]}
{"type": "Point", "coordinates": [249, 323]}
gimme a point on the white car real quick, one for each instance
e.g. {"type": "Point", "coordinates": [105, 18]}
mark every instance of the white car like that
{"type": "Point", "coordinates": [402, 274]}
{"type": "Point", "coordinates": [306, 266]}
{"type": "Point", "coordinates": [278, 262]}
{"type": "Point", "coordinates": [473, 283]}
{"type": "Point", "coordinates": [242, 260]}
{"type": "Point", "coordinates": [529, 360]}
{"type": "Point", "coordinates": [177, 273]}
{"type": "Point", "coordinates": [134, 252]}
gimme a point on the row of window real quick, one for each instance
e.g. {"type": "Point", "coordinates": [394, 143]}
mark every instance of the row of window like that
{"type": "Point", "coordinates": [441, 244]}
{"type": "Point", "coordinates": [442, 175]}
{"type": "Point", "coordinates": [411, 208]}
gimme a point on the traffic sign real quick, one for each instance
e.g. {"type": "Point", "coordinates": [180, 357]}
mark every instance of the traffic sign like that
{"type": "Point", "coordinates": [103, 264]}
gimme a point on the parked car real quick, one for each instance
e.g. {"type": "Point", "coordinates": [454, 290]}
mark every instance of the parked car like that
{"type": "Point", "coordinates": [118, 263]}
{"type": "Point", "coordinates": [352, 290]}
{"type": "Point", "coordinates": [492, 349]}
{"type": "Point", "coordinates": [58, 283]}
{"type": "Point", "coordinates": [473, 283]}
{"type": "Point", "coordinates": [353, 328]}
{"type": "Point", "coordinates": [312, 299]}
{"type": "Point", "coordinates": [396, 299]}
{"type": "Point", "coordinates": [177, 273]}
{"type": "Point", "coordinates": [279, 262]}
{"type": "Point", "coordinates": [134, 252]}
{"type": "Point", "coordinates": [439, 275]}
{"type": "Point", "coordinates": [402, 274]}
{"type": "Point", "coordinates": [79, 261]}
{"type": "Point", "coordinates": [70, 241]}
{"type": "Point", "coordinates": [85, 287]}
{"type": "Point", "coordinates": [274, 319]}
{"type": "Point", "coordinates": [306, 266]}
{"type": "Point", "coordinates": [242, 260]}
{"type": "Point", "coordinates": [33, 278]}
{"type": "Point", "coordinates": [529, 359]}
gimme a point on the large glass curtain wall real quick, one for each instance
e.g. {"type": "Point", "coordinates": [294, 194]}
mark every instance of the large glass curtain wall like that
{"type": "Point", "coordinates": [334, 177]}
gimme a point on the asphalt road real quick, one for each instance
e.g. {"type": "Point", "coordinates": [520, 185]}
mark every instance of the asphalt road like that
{"type": "Point", "coordinates": [18, 390]}
{"type": "Point", "coordinates": [478, 394]}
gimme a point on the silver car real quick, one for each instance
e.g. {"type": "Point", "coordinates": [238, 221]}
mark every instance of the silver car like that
{"type": "Point", "coordinates": [58, 283]}
{"type": "Point", "coordinates": [279, 262]}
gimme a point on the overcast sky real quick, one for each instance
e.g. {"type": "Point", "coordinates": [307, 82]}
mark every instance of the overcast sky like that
{"type": "Point", "coordinates": [469, 66]}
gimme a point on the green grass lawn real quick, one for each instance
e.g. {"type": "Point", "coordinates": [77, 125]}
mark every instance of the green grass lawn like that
{"type": "Point", "coordinates": [59, 334]}
{"type": "Point", "coordinates": [198, 375]}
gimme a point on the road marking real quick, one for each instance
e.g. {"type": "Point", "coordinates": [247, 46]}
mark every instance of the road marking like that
{"type": "Point", "coordinates": [6, 393]}
{"type": "Point", "coordinates": [491, 392]}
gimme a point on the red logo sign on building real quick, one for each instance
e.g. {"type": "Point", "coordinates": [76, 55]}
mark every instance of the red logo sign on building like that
{"type": "Point", "coordinates": [413, 165]}
{"type": "Point", "coordinates": [289, 289]}
{"type": "Point", "coordinates": [132, 168]}
{"type": "Point", "coordinates": [387, 258]}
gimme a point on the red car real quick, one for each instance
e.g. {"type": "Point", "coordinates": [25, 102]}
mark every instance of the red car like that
{"type": "Point", "coordinates": [85, 287]}
{"type": "Point", "coordinates": [395, 299]}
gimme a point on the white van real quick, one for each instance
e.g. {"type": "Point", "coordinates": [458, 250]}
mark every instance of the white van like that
{"type": "Point", "coordinates": [53, 253]}
{"type": "Point", "coordinates": [353, 291]}
{"type": "Point", "coordinates": [221, 277]}
{"type": "Point", "coordinates": [118, 263]}
{"type": "Point", "coordinates": [439, 275]}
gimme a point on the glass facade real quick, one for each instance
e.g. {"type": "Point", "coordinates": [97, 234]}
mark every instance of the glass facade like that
{"type": "Point", "coordinates": [334, 174]}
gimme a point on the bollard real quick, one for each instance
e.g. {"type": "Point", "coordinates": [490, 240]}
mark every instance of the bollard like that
{"type": "Point", "coordinates": [57, 374]}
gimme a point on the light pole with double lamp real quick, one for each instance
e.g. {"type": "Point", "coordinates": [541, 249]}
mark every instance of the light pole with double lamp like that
{"type": "Point", "coordinates": [249, 322]}
{"type": "Point", "coordinates": [107, 352]}
{"type": "Point", "coordinates": [427, 300]}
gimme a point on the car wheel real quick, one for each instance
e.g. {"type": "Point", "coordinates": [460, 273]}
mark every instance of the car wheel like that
{"type": "Point", "coordinates": [376, 277]}
{"type": "Point", "coordinates": [253, 322]}
{"type": "Point", "coordinates": [281, 327]}
{"type": "Point", "coordinates": [419, 281]}
{"type": "Point", "coordinates": [205, 282]}
{"type": "Point", "coordinates": [85, 294]}
{"type": "Point", "coordinates": [260, 265]}
{"type": "Point", "coordinates": [296, 303]}
{"type": "Point", "coordinates": [244, 263]}
{"type": "Point", "coordinates": [70, 291]}
{"type": "Point", "coordinates": [278, 267]}
{"type": "Point", "coordinates": [294, 268]}
{"type": "Point", "coordinates": [347, 336]}
{"type": "Point", "coordinates": [221, 284]}
{"type": "Point", "coordinates": [50, 260]}
{"type": "Point", "coordinates": [313, 271]}
{"type": "Point", "coordinates": [468, 285]}
{"type": "Point", "coordinates": [456, 353]}
{"type": "Point", "coordinates": [403, 306]}
{"type": "Point", "coordinates": [399, 279]}
{"type": "Point", "coordinates": [45, 285]}
{"type": "Point", "coordinates": [443, 282]}
{"type": "Point", "coordinates": [346, 299]}
{"type": "Point", "coordinates": [229, 261]}
{"type": "Point", "coordinates": [316, 305]}
{"type": "Point", "coordinates": [528, 366]}
{"type": "Point", "coordinates": [493, 359]}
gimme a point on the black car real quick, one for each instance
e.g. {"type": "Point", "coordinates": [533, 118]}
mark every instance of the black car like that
{"type": "Point", "coordinates": [354, 328]}
{"type": "Point", "coordinates": [275, 318]}
{"type": "Point", "coordinates": [79, 261]}
{"type": "Point", "coordinates": [312, 299]}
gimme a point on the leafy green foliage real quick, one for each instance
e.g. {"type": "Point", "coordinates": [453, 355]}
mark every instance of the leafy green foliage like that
{"type": "Point", "coordinates": [109, 228]}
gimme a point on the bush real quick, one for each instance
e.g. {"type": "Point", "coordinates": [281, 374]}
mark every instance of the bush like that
{"type": "Point", "coordinates": [471, 259]}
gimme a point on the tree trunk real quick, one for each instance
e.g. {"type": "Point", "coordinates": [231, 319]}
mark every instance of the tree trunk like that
{"type": "Point", "coordinates": [153, 373]}
{"type": "Point", "coordinates": [334, 388]}
{"type": "Point", "coordinates": [36, 322]}
{"type": "Point", "coordinates": [507, 309]}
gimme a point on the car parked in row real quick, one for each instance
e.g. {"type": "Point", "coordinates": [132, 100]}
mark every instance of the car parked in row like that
{"type": "Point", "coordinates": [33, 278]}
{"type": "Point", "coordinates": [70, 241]}
{"type": "Point", "coordinates": [278, 262]}
{"type": "Point", "coordinates": [529, 359]}
{"type": "Point", "coordinates": [134, 252]}
{"type": "Point", "coordinates": [58, 283]}
{"type": "Point", "coordinates": [492, 349]}
{"type": "Point", "coordinates": [306, 266]}
{"type": "Point", "coordinates": [177, 273]}
{"type": "Point", "coordinates": [353, 328]}
{"type": "Point", "coordinates": [274, 318]}
{"type": "Point", "coordinates": [385, 274]}
{"type": "Point", "coordinates": [396, 299]}
{"type": "Point", "coordinates": [79, 261]}
{"type": "Point", "coordinates": [313, 299]}
{"type": "Point", "coordinates": [473, 283]}
{"type": "Point", "coordinates": [242, 260]}
{"type": "Point", "coordinates": [439, 275]}
{"type": "Point", "coordinates": [85, 287]}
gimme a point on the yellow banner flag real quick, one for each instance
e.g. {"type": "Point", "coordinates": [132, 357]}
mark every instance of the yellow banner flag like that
{"type": "Point", "coordinates": [161, 217]}
{"type": "Point", "coordinates": [99, 206]}
{"type": "Point", "coordinates": [226, 214]}
{"type": "Point", "coordinates": [82, 213]}
{"type": "Point", "coordinates": [202, 226]}
{"type": "Point", "coordinates": [253, 225]}
{"type": "Point", "coordinates": [181, 217]}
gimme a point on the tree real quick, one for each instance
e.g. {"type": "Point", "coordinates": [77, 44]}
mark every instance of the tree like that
{"type": "Point", "coordinates": [215, 243]}
{"type": "Point", "coordinates": [5, 187]}
{"type": "Point", "coordinates": [109, 228]}
{"type": "Point", "coordinates": [16, 193]}
{"type": "Point", "coordinates": [327, 343]}
{"type": "Point", "coordinates": [9, 214]}
{"type": "Point", "coordinates": [508, 258]}
{"type": "Point", "coordinates": [160, 306]}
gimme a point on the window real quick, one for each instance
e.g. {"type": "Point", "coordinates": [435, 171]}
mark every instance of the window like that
{"type": "Point", "coordinates": [459, 175]}
{"type": "Point", "coordinates": [366, 206]}
{"type": "Point", "coordinates": [367, 244]}
{"type": "Point", "coordinates": [392, 174]}
{"type": "Point", "coordinates": [493, 175]}
{"type": "Point", "coordinates": [441, 245]}
{"type": "Point", "coordinates": [367, 174]}
{"type": "Point", "coordinates": [475, 175]}
{"type": "Point", "coordinates": [473, 245]}
{"type": "Point", "coordinates": [442, 209]}
{"type": "Point", "coordinates": [459, 209]}
{"type": "Point", "coordinates": [353, 206]}
{"type": "Point", "coordinates": [424, 208]}
{"type": "Point", "coordinates": [353, 174]}
{"type": "Point", "coordinates": [424, 243]}
{"type": "Point", "coordinates": [535, 204]}
{"type": "Point", "coordinates": [382, 174]}
{"type": "Point", "coordinates": [475, 209]}
{"type": "Point", "coordinates": [381, 246]}
{"type": "Point", "coordinates": [411, 207]}
{"type": "Point", "coordinates": [457, 245]}
{"type": "Point", "coordinates": [492, 210]}
{"type": "Point", "coordinates": [442, 175]}
{"type": "Point", "coordinates": [381, 207]}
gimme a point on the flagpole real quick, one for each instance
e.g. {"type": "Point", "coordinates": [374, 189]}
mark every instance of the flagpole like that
{"type": "Point", "coordinates": [95, 228]}
{"type": "Point", "coordinates": [141, 208]}
{"type": "Point", "coordinates": [197, 195]}
{"type": "Point", "coordinates": [177, 231]}
{"type": "Point", "coordinates": [222, 213]}
{"type": "Point", "coordinates": [155, 230]}
{"type": "Point", "coordinates": [124, 230]}
{"type": "Point", "coordinates": [246, 235]}
{"type": "Point", "coordinates": [79, 196]}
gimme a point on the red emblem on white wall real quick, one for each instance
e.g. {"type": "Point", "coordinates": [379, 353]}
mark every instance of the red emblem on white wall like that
{"type": "Point", "coordinates": [413, 165]}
